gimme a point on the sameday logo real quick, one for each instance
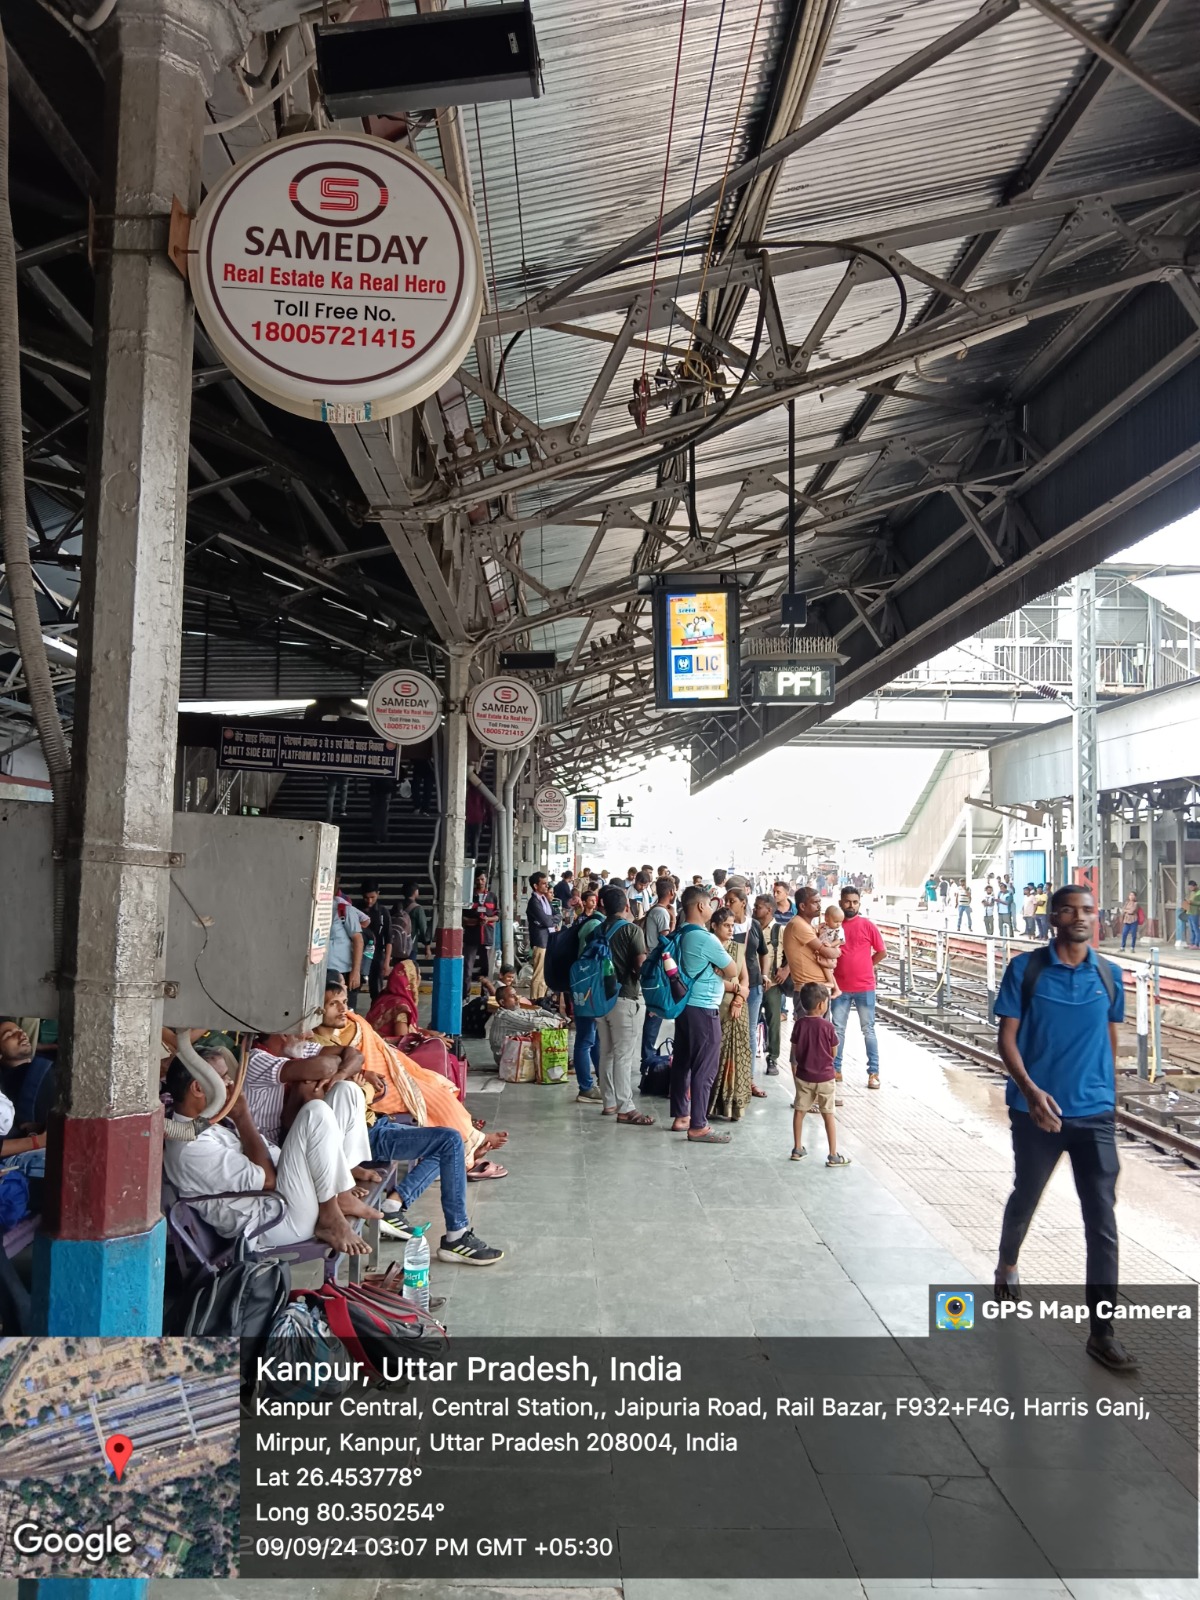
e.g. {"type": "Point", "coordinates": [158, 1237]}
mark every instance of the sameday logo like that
{"type": "Point", "coordinates": [506, 696]}
{"type": "Point", "coordinates": [339, 195]}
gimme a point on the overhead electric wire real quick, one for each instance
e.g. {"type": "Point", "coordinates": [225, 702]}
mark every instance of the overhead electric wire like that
{"type": "Point", "coordinates": [720, 200]}
{"type": "Point", "coordinates": [662, 201]}
{"type": "Point", "coordinates": [537, 405]}
{"type": "Point", "coordinates": [487, 222]}
{"type": "Point", "coordinates": [683, 249]}
{"type": "Point", "coordinates": [712, 425]}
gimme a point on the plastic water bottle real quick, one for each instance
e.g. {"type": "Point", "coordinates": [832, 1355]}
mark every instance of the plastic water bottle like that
{"type": "Point", "coordinates": [674, 978]}
{"type": "Point", "coordinates": [416, 1267]}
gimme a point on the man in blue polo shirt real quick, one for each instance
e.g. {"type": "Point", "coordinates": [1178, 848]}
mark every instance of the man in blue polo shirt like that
{"type": "Point", "coordinates": [1058, 1043]}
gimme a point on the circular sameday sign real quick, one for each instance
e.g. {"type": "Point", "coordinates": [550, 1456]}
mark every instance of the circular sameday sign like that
{"type": "Point", "coordinates": [505, 713]}
{"type": "Point", "coordinates": [404, 707]}
{"type": "Point", "coordinates": [550, 806]}
{"type": "Point", "coordinates": [338, 276]}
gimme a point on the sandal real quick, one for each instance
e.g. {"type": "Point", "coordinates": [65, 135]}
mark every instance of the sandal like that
{"type": "Point", "coordinates": [796, 1154]}
{"type": "Point", "coordinates": [610, 1111]}
{"type": "Point", "coordinates": [486, 1169]}
{"type": "Point", "coordinates": [709, 1137]}
{"type": "Point", "coordinates": [837, 1161]}
{"type": "Point", "coordinates": [759, 1094]}
{"type": "Point", "coordinates": [635, 1119]}
{"type": "Point", "coordinates": [479, 1123]}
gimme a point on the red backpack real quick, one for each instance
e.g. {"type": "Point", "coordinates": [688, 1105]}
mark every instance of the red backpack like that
{"type": "Point", "coordinates": [371, 1320]}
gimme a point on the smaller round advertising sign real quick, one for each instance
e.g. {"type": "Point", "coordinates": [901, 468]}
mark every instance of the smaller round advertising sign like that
{"type": "Point", "coordinates": [550, 806]}
{"type": "Point", "coordinates": [505, 713]}
{"type": "Point", "coordinates": [404, 707]}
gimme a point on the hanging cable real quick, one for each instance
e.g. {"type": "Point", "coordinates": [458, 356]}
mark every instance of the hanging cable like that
{"type": "Point", "coordinates": [720, 201]}
{"type": "Point", "coordinates": [662, 202]}
{"type": "Point", "coordinates": [687, 232]}
{"type": "Point", "coordinates": [716, 423]}
{"type": "Point", "coordinates": [487, 223]}
{"type": "Point", "coordinates": [791, 519]}
{"type": "Point", "coordinates": [537, 405]}
{"type": "Point", "coordinates": [18, 567]}
{"type": "Point", "coordinates": [263, 101]}
{"type": "Point", "coordinates": [98, 17]}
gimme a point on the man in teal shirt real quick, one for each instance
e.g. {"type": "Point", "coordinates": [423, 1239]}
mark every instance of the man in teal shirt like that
{"type": "Point", "coordinates": [702, 960]}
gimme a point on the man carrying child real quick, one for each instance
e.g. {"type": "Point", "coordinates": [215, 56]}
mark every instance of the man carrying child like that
{"type": "Point", "coordinates": [814, 1045]}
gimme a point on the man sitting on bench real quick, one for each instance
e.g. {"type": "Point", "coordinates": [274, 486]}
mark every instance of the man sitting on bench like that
{"type": "Point", "coordinates": [26, 1094]}
{"type": "Point", "coordinates": [312, 1171]}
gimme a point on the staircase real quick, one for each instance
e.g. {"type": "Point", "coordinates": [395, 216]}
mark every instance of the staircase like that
{"type": "Point", "coordinates": [404, 856]}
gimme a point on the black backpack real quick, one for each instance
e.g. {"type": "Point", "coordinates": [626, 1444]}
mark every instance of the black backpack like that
{"type": "Point", "coordinates": [1039, 960]}
{"type": "Point", "coordinates": [562, 952]}
{"type": "Point", "coordinates": [242, 1300]}
{"type": "Point", "coordinates": [475, 1019]}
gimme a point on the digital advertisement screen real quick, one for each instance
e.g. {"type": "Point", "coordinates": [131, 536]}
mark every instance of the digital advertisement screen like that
{"type": "Point", "coordinates": [697, 646]}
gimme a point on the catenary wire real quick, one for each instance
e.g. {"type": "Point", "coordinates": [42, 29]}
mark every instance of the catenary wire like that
{"type": "Point", "coordinates": [683, 249]}
{"type": "Point", "coordinates": [662, 201]}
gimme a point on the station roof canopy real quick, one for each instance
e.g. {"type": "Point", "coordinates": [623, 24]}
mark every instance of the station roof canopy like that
{"type": "Point", "coordinates": [956, 243]}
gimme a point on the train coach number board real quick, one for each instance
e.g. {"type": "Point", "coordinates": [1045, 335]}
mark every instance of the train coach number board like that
{"type": "Point", "coordinates": [799, 682]}
{"type": "Point", "coordinates": [338, 276]}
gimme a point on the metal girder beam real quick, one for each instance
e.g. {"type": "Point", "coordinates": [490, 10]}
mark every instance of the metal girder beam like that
{"type": "Point", "coordinates": [744, 270]}
{"type": "Point", "coordinates": [750, 480]}
{"type": "Point", "coordinates": [40, 110]}
{"type": "Point", "coordinates": [1116, 59]}
{"type": "Point", "coordinates": [1140, 470]}
{"type": "Point", "coordinates": [928, 342]}
{"type": "Point", "coordinates": [992, 13]}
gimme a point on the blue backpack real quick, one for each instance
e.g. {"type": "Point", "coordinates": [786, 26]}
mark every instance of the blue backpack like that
{"type": "Point", "coordinates": [594, 985]}
{"type": "Point", "coordinates": [14, 1198]}
{"type": "Point", "coordinates": [667, 995]}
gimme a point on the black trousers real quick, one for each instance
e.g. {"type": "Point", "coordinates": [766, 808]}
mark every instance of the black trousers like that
{"type": "Point", "coordinates": [1091, 1145]}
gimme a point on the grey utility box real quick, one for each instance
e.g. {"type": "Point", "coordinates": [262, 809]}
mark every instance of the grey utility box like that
{"type": "Point", "coordinates": [247, 920]}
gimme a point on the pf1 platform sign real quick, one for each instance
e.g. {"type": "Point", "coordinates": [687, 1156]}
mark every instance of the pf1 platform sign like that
{"type": "Point", "coordinates": [696, 644]}
{"type": "Point", "coordinates": [803, 681]}
{"type": "Point", "coordinates": [338, 276]}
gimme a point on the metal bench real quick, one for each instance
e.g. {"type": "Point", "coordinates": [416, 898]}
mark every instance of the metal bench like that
{"type": "Point", "coordinates": [198, 1245]}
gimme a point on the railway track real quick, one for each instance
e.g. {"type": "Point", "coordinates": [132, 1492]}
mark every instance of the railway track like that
{"type": "Point", "coordinates": [945, 1003]}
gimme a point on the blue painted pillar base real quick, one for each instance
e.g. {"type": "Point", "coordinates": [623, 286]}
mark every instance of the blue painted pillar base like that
{"type": "Point", "coordinates": [82, 1588]}
{"type": "Point", "coordinates": [100, 1286]}
{"type": "Point", "coordinates": [446, 1013]}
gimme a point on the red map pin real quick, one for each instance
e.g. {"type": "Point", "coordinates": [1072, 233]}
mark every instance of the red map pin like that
{"type": "Point", "coordinates": [118, 1449]}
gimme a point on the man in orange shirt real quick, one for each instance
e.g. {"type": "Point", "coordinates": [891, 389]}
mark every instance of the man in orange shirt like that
{"type": "Point", "coordinates": [808, 960]}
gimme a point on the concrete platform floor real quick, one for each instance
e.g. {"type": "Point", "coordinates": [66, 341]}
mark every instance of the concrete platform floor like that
{"type": "Point", "coordinates": [621, 1230]}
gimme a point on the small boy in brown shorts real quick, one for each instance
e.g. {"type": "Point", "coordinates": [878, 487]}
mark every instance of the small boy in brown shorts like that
{"type": "Point", "coordinates": [814, 1047]}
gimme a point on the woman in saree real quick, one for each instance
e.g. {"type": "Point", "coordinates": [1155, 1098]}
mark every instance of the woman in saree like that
{"type": "Point", "coordinates": [732, 1086]}
{"type": "Point", "coordinates": [394, 1013]}
{"type": "Point", "coordinates": [427, 1097]}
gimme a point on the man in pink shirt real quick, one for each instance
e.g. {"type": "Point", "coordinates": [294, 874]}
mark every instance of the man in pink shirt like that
{"type": "Point", "coordinates": [862, 951]}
